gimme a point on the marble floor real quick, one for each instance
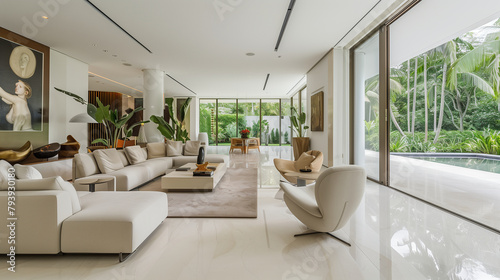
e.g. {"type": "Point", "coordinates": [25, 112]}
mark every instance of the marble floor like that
{"type": "Point", "coordinates": [393, 236]}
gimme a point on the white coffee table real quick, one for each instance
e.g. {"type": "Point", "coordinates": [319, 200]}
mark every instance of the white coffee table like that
{"type": "Point", "coordinates": [184, 180]}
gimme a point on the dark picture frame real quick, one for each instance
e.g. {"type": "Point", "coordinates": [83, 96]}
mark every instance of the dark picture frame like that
{"type": "Point", "coordinates": [317, 119]}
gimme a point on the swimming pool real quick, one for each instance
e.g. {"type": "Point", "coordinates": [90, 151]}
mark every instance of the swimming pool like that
{"type": "Point", "coordinates": [472, 162]}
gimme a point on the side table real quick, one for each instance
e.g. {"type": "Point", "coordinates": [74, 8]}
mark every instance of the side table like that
{"type": "Point", "coordinates": [308, 177]}
{"type": "Point", "coordinates": [97, 180]}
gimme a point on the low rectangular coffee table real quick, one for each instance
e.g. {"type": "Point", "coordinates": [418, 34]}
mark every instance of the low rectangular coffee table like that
{"type": "Point", "coordinates": [184, 180]}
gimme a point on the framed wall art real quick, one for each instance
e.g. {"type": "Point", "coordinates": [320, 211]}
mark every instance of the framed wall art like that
{"type": "Point", "coordinates": [24, 89]}
{"type": "Point", "coordinates": [317, 111]}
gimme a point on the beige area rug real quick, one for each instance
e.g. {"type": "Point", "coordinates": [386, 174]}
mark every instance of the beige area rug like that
{"type": "Point", "coordinates": [234, 197]}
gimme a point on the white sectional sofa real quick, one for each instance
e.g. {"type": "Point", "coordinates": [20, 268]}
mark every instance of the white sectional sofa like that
{"type": "Point", "coordinates": [133, 166]}
{"type": "Point", "coordinates": [50, 217]}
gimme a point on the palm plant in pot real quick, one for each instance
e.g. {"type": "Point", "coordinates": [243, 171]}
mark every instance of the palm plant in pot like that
{"type": "Point", "coordinates": [300, 143]}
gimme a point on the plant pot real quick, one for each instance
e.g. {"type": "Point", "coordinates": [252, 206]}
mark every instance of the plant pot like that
{"type": "Point", "coordinates": [244, 135]}
{"type": "Point", "coordinates": [300, 145]}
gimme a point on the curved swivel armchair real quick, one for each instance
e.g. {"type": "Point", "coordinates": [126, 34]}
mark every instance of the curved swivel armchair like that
{"type": "Point", "coordinates": [328, 204]}
{"type": "Point", "coordinates": [287, 166]}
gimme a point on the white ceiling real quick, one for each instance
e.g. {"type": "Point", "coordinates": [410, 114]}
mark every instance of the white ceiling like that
{"type": "Point", "coordinates": [200, 46]}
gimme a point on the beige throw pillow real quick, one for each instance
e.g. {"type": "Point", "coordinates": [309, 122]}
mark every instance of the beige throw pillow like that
{"type": "Point", "coordinates": [123, 157]}
{"type": "Point", "coordinates": [192, 148]}
{"type": "Point", "coordinates": [86, 165]}
{"type": "Point", "coordinates": [135, 154]}
{"type": "Point", "coordinates": [174, 148]}
{"type": "Point", "coordinates": [156, 150]}
{"type": "Point", "coordinates": [108, 160]}
{"type": "Point", "coordinates": [304, 161]}
{"type": "Point", "coordinates": [27, 172]}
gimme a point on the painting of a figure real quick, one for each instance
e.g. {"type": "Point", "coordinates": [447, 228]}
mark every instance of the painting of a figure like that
{"type": "Point", "coordinates": [21, 84]}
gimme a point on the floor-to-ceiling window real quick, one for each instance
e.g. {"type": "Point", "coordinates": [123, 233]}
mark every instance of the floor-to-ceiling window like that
{"type": "Point", "coordinates": [267, 119]}
{"type": "Point", "coordinates": [250, 110]}
{"type": "Point", "coordinates": [286, 130]}
{"type": "Point", "coordinates": [426, 105]}
{"type": "Point", "coordinates": [366, 106]}
{"type": "Point", "coordinates": [226, 121]}
{"type": "Point", "coordinates": [270, 112]}
{"type": "Point", "coordinates": [208, 115]}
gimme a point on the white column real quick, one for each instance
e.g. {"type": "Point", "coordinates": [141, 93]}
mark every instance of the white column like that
{"type": "Point", "coordinates": [154, 101]}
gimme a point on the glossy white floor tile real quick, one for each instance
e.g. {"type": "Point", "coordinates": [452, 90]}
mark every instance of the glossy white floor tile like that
{"type": "Point", "coordinates": [393, 237]}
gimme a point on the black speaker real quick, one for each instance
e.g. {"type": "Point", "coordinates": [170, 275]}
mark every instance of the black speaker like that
{"type": "Point", "coordinates": [201, 155]}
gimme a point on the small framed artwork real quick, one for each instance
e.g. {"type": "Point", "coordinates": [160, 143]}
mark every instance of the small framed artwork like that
{"type": "Point", "coordinates": [317, 112]}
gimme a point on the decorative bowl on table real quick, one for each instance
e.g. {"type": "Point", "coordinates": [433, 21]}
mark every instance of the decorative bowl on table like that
{"type": "Point", "coordinates": [47, 151]}
{"type": "Point", "coordinates": [69, 148]}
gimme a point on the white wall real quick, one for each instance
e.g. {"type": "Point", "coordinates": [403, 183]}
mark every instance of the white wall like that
{"type": "Point", "coordinates": [318, 80]}
{"type": "Point", "coordinates": [330, 75]}
{"type": "Point", "coordinates": [71, 75]}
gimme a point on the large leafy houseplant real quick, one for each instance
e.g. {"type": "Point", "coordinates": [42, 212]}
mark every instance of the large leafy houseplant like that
{"type": "Point", "coordinates": [114, 126]}
{"type": "Point", "coordinates": [298, 121]}
{"type": "Point", "coordinates": [300, 143]}
{"type": "Point", "coordinates": [177, 130]}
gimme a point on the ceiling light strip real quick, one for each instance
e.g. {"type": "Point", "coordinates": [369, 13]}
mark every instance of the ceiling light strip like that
{"type": "Point", "coordinates": [88, 1]}
{"type": "Point", "coordinates": [181, 84]}
{"type": "Point", "coordinates": [102, 77]}
{"type": "Point", "coordinates": [265, 83]}
{"type": "Point", "coordinates": [285, 22]}
{"type": "Point", "coordinates": [357, 22]}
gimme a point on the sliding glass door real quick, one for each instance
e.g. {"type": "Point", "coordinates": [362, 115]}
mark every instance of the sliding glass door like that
{"type": "Point", "coordinates": [366, 106]}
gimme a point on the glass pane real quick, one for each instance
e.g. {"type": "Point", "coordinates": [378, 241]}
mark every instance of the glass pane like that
{"type": "Point", "coordinates": [366, 107]}
{"type": "Point", "coordinates": [227, 121]}
{"type": "Point", "coordinates": [286, 131]}
{"type": "Point", "coordinates": [249, 116]}
{"type": "Point", "coordinates": [444, 114]}
{"type": "Point", "coordinates": [207, 118]}
{"type": "Point", "coordinates": [295, 104]}
{"type": "Point", "coordinates": [270, 135]}
{"type": "Point", "coordinates": [303, 100]}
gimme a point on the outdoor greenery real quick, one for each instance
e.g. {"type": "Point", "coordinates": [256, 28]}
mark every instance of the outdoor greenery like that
{"type": "Point", "coordinates": [248, 118]}
{"type": "Point", "coordinates": [444, 100]}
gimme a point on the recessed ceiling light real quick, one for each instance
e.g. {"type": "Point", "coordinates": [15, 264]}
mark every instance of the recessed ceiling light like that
{"type": "Point", "coordinates": [127, 64]}
{"type": "Point", "coordinates": [250, 54]}
{"type": "Point", "coordinates": [115, 55]}
{"type": "Point", "coordinates": [105, 50]}
{"type": "Point", "coordinates": [94, 45]}
{"type": "Point", "coordinates": [45, 17]}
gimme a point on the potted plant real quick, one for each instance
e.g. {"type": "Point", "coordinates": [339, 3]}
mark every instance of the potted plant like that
{"type": "Point", "coordinates": [244, 133]}
{"type": "Point", "coordinates": [300, 143]}
{"type": "Point", "coordinates": [177, 130]}
{"type": "Point", "coordinates": [114, 126]}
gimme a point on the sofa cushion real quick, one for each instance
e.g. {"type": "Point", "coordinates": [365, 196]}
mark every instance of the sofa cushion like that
{"type": "Point", "coordinates": [135, 154]}
{"type": "Point", "coordinates": [50, 183]}
{"type": "Point", "coordinates": [108, 160]}
{"type": "Point", "coordinates": [156, 150]}
{"type": "Point", "coordinates": [4, 174]}
{"type": "Point", "coordinates": [123, 157]}
{"type": "Point", "coordinates": [304, 161]}
{"type": "Point", "coordinates": [174, 148]}
{"type": "Point", "coordinates": [192, 148]}
{"type": "Point", "coordinates": [113, 222]}
{"type": "Point", "coordinates": [86, 164]}
{"type": "Point", "coordinates": [27, 172]}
